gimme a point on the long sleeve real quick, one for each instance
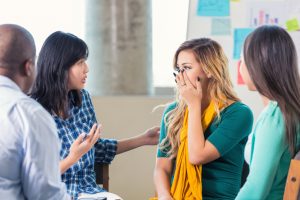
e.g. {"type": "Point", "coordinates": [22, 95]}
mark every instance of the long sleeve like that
{"type": "Point", "coordinates": [268, 153]}
{"type": "Point", "coordinates": [29, 150]}
{"type": "Point", "coordinates": [105, 150]}
{"type": "Point", "coordinates": [40, 172]}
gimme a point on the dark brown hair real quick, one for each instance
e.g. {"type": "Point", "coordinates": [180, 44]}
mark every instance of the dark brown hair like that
{"type": "Point", "coordinates": [271, 59]}
{"type": "Point", "coordinates": [59, 53]}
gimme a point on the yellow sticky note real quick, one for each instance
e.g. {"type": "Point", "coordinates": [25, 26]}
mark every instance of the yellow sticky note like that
{"type": "Point", "coordinates": [292, 24]}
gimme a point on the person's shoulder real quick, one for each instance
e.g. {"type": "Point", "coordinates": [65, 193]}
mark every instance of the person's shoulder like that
{"type": "Point", "coordinates": [85, 94]}
{"type": "Point", "coordinates": [272, 115]}
{"type": "Point", "coordinates": [238, 109]}
{"type": "Point", "coordinates": [29, 118]}
{"type": "Point", "coordinates": [238, 106]}
{"type": "Point", "coordinates": [31, 109]}
{"type": "Point", "coordinates": [30, 104]}
{"type": "Point", "coordinates": [20, 104]}
{"type": "Point", "coordinates": [37, 112]}
{"type": "Point", "coordinates": [273, 109]}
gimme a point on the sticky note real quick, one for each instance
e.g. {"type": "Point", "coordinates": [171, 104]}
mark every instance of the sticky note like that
{"type": "Point", "coordinates": [240, 80]}
{"type": "Point", "coordinates": [213, 8]}
{"type": "Point", "coordinates": [292, 25]}
{"type": "Point", "coordinates": [239, 35]}
{"type": "Point", "coordinates": [220, 26]}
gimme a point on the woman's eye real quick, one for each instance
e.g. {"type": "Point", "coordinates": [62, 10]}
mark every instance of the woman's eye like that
{"type": "Point", "coordinates": [187, 67]}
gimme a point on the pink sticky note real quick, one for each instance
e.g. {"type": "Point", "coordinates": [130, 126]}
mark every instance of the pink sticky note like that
{"type": "Point", "coordinates": [240, 80]}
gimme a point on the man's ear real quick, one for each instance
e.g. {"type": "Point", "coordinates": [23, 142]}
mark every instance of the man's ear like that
{"type": "Point", "coordinates": [28, 67]}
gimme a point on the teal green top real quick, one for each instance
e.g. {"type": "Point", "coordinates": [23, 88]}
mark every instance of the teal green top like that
{"type": "Point", "coordinates": [270, 157]}
{"type": "Point", "coordinates": [221, 178]}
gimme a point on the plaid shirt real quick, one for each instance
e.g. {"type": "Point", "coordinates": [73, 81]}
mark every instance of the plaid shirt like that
{"type": "Point", "coordinates": [80, 178]}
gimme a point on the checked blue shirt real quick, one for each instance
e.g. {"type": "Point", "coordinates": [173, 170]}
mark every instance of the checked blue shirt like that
{"type": "Point", "coordinates": [80, 178]}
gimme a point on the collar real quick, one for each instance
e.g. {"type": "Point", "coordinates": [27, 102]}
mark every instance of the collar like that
{"type": "Point", "coordinates": [7, 82]}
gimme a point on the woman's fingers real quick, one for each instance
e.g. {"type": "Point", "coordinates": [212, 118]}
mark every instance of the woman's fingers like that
{"type": "Point", "coordinates": [181, 78]}
{"type": "Point", "coordinates": [91, 133]}
{"type": "Point", "coordinates": [79, 139]}
{"type": "Point", "coordinates": [96, 134]}
{"type": "Point", "coordinates": [186, 79]}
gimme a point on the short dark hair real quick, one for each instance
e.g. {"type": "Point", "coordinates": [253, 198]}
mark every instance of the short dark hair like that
{"type": "Point", "coordinates": [17, 46]}
{"type": "Point", "coordinates": [59, 52]}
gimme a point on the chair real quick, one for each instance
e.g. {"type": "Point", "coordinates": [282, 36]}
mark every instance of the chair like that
{"type": "Point", "coordinates": [102, 174]}
{"type": "Point", "coordinates": [292, 186]}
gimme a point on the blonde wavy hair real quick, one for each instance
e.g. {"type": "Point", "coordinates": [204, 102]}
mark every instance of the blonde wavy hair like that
{"type": "Point", "coordinates": [211, 56]}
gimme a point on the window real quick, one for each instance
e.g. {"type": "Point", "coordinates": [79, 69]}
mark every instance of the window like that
{"type": "Point", "coordinates": [169, 19]}
{"type": "Point", "coordinates": [42, 18]}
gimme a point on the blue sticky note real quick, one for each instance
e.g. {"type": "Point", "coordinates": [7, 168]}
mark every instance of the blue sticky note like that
{"type": "Point", "coordinates": [213, 8]}
{"type": "Point", "coordinates": [220, 26]}
{"type": "Point", "coordinates": [240, 35]}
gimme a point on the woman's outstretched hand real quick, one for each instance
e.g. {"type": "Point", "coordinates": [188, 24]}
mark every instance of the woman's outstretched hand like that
{"type": "Point", "coordinates": [85, 142]}
{"type": "Point", "coordinates": [151, 136]}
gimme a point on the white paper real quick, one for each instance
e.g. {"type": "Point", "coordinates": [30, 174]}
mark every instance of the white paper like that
{"type": "Point", "coordinates": [267, 13]}
{"type": "Point", "coordinates": [108, 195]}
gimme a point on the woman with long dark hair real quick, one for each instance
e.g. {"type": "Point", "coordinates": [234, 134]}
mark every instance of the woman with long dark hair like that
{"type": "Point", "coordinates": [62, 73]}
{"type": "Point", "coordinates": [270, 67]}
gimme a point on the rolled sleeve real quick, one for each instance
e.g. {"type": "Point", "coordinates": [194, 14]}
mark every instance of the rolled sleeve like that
{"type": "Point", "coordinates": [105, 150]}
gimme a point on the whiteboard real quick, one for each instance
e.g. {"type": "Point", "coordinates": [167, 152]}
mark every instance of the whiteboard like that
{"type": "Point", "coordinates": [243, 14]}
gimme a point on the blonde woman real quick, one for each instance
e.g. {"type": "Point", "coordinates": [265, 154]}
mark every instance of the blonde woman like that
{"type": "Point", "coordinates": [204, 132]}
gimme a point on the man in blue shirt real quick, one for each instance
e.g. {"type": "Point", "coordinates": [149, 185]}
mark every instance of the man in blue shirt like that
{"type": "Point", "coordinates": [29, 153]}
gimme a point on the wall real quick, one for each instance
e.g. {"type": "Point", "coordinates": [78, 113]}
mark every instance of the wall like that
{"type": "Point", "coordinates": [131, 173]}
{"type": "Point", "coordinates": [201, 26]}
{"type": "Point", "coordinates": [241, 15]}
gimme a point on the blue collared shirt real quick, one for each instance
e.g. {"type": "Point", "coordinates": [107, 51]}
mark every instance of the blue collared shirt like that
{"type": "Point", "coordinates": [29, 148]}
{"type": "Point", "coordinates": [80, 178]}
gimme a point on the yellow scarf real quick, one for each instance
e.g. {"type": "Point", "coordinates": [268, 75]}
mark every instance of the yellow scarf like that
{"type": "Point", "coordinates": [187, 183]}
